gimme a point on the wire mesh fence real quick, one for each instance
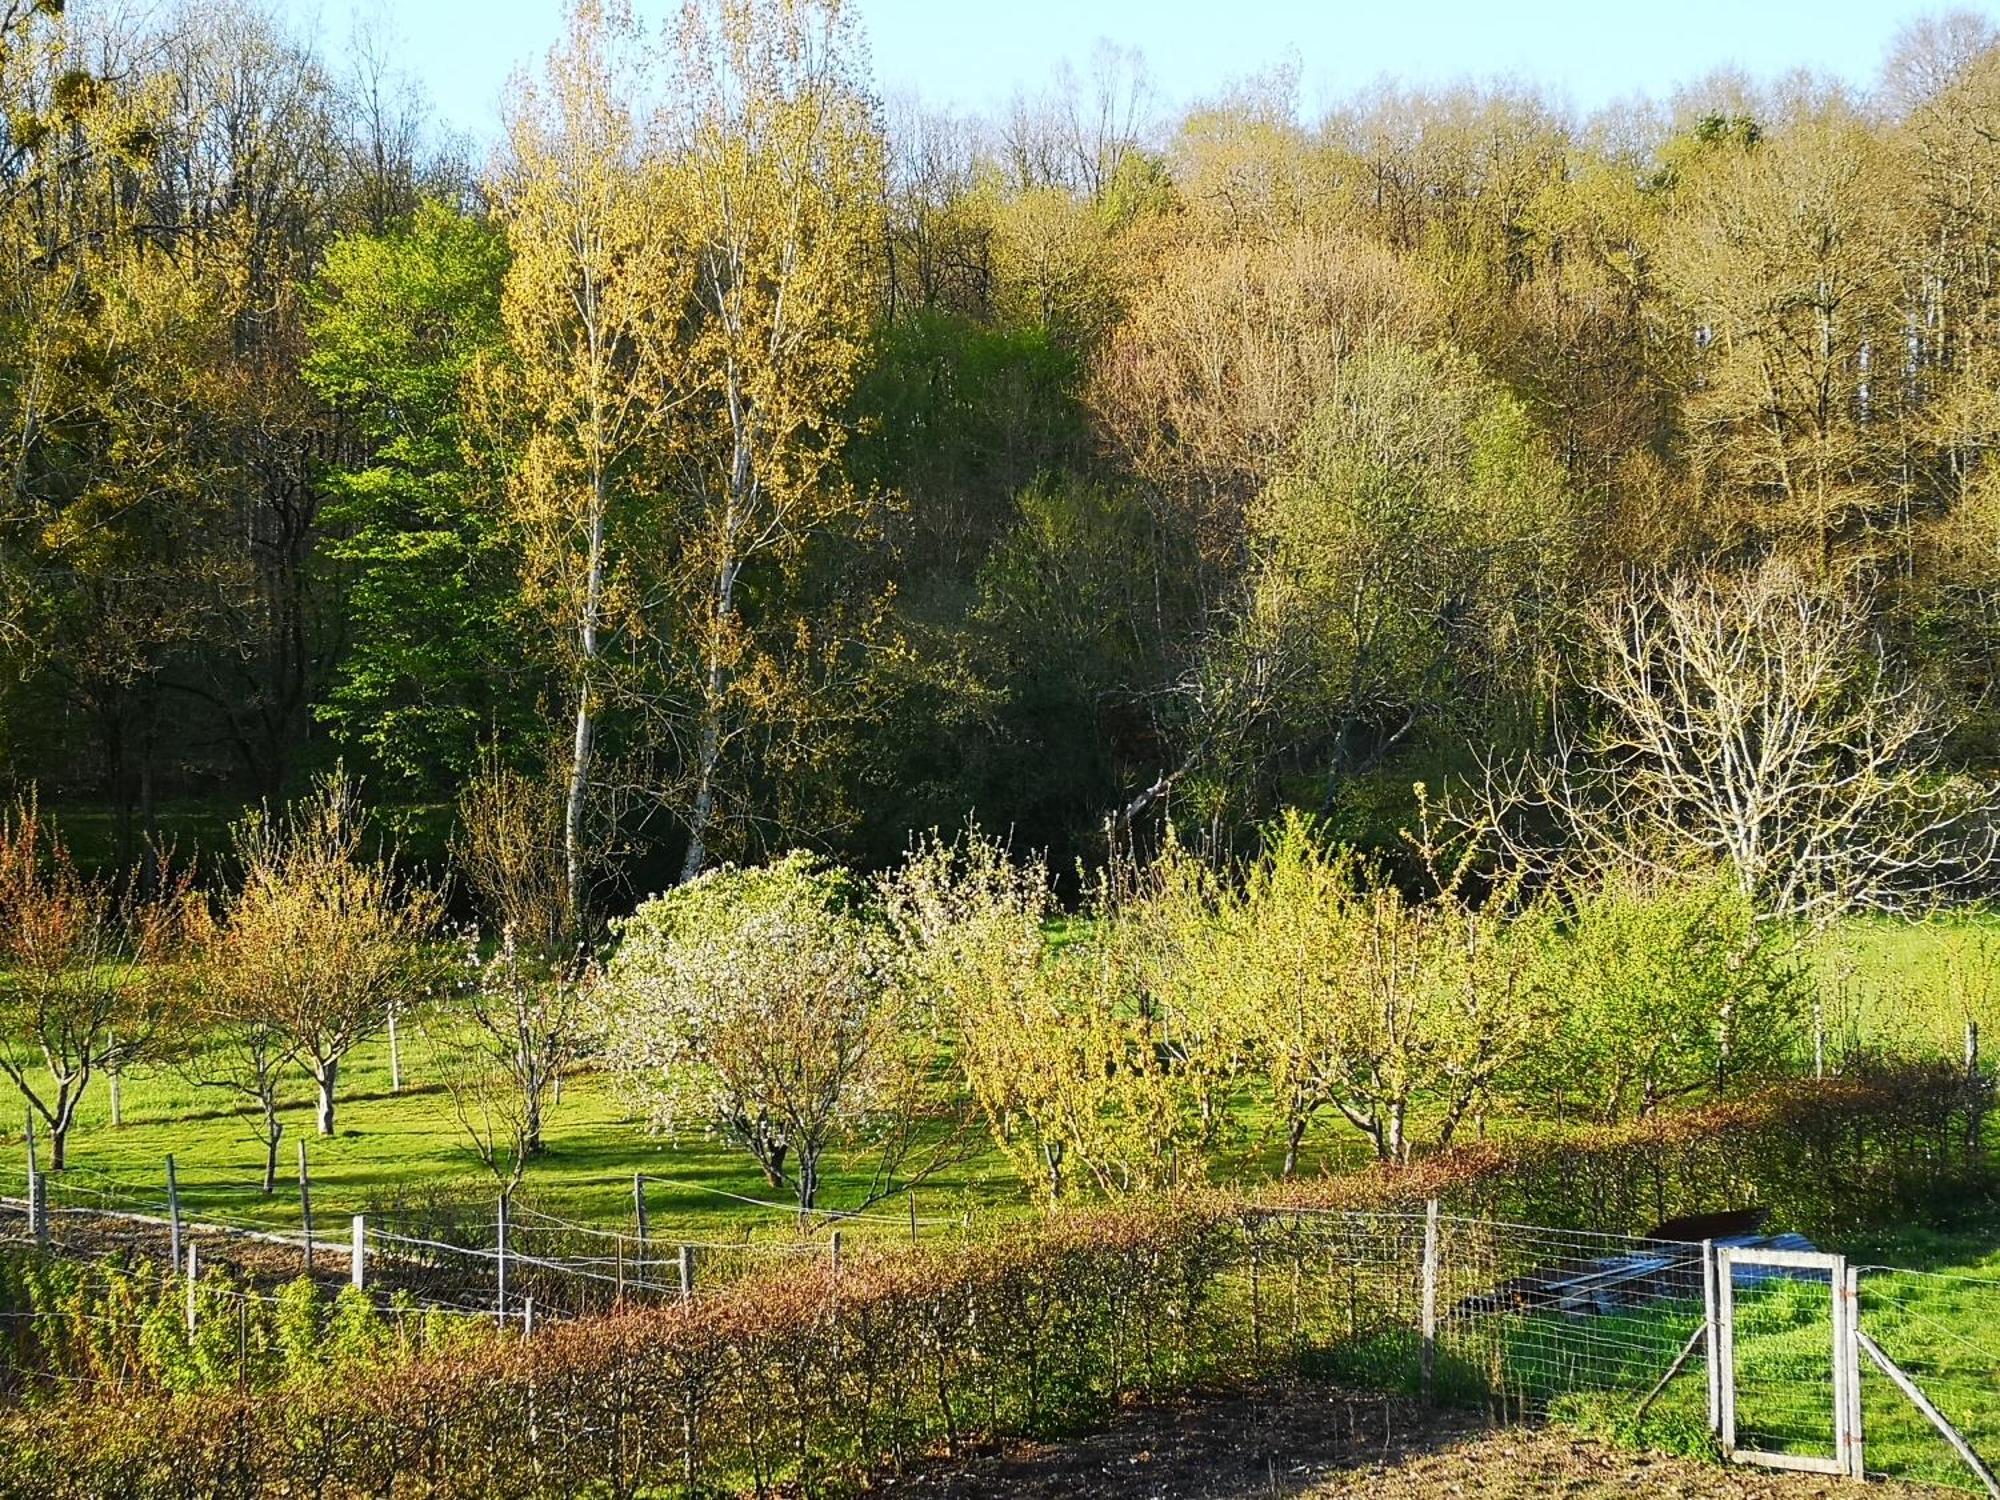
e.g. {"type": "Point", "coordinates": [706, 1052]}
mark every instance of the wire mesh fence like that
{"type": "Point", "coordinates": [1614, 1330]}
{"type": "Point", "coordinates": [1943, 1331]}
{"type": "Point", "coordinates": [446, 1250]}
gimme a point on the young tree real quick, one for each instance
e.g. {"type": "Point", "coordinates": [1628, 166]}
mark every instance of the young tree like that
{"type": "Point", "coordinates": [238, 1045]}
{"type": "Point", "coordinates": [753, 1002]}
{"type": "Point", "coordinates": [1081, 1081]}
{"type": "Point", "coordinates": [502, 1048]}
{"type": "Point", "coordinates": [1669, 986]}
{"type": "Point", "coordinates": [511, 849]}
{"type": "Point", "coordinates": [83, 990]}
{"type": "Point", "coordinates": [319, 941]}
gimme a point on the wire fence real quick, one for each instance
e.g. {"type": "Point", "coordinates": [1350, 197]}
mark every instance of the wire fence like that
{"type": "Point", "coordinates": [451, 1252]}
{"type": "Point", "coordinates": [1616, 1331]}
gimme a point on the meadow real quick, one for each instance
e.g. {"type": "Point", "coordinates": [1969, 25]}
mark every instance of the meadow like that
{"type": "Point", "coordinates": [1888, 986]}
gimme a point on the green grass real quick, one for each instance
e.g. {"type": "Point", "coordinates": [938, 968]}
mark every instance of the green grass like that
{"type": "Point", "coordinates": [1893, 985]}
{"type": "Point", "coordinates": [1899, 983]}
{"type": "Point", "coordinates": [389, 1144]}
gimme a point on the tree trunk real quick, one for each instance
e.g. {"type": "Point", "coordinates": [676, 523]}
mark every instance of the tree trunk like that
{"type": "Point", "coordinates": [326, 1076]}
{"type": "Point", "coordinates": [702, 810]}
{"type": "Point", "coordinates": [68, 1093]}
{"type": "Point", "coordinates": [583, 743]}
{"type": "Point", "coordinates": [1292, 1138]}
{"type": "Point", "coordinates": [274, 1130]}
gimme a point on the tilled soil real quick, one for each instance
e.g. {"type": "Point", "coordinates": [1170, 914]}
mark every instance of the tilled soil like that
{"type": "Point", "coordinates": [1312, 1443]}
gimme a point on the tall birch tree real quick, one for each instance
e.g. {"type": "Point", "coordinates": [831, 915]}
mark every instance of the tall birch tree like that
{"type": "Point", "coordinates": [594, 271]}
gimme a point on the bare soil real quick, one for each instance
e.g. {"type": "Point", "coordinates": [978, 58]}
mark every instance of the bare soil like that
{"type": "Point", "coordinates": [1316, 1443]}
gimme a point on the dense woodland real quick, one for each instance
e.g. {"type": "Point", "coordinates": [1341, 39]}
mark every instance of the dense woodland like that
{"type": "Point", "coordinates": [758, 462]}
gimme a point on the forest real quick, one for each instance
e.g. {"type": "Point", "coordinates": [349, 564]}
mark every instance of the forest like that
{"type": "Point", "coordinates": [859, 779]}
{"type": "Point", "coordinates": [754, 462]}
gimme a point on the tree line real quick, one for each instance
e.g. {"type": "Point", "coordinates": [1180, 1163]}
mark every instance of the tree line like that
{"type": "Point", "coordinates": [756, 462]}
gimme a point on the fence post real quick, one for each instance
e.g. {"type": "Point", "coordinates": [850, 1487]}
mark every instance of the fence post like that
{"type": "Point", "coordinates": [38, 1209]}
{"type": "Point", "coordinates": [1428, 1372]}
{"type": "Point", "coordinates": [833, 1250]}
{"type": "Point", "coordinates": [306, 1203]}
{"type": "Point", "coordinates": [358, 1270]}
{"type": "Point", "coordinates": [173, 1213]}
{"type": "Point", "coordinates": [639, 1208]}
{"type": "Point", "coordinates": [395, 1056]}
{"type": "Point", "coordinates": [687, 1272]}
{"type": "Point", "coordinates": [500, 1266]}
{"type": "Point", "coordinates": [1725, 1352]}
{"type": "Point", "coordinates": [193, 1274]}
{"type": "Point", "coordinates": [528, 1317]}
{"type": "Point", "coordinates": [38, 1194]}
{"type": "Point", "coordinates": [1847, 1354]}
{"type": "Point", "coordinates": [1256, 1291]}
{"type": "Point", "coordinates": [1709, 1312]}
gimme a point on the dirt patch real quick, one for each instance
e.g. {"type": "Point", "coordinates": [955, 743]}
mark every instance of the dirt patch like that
{"type": "Point", "coordinates": [1312, 1443]}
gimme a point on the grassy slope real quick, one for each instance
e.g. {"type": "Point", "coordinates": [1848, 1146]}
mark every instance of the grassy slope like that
{"type": "Point", "coordinates": [388, 1143]}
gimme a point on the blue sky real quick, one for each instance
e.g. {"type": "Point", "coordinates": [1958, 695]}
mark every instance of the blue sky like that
{"type": "Point", "coordinates": [976, 54]}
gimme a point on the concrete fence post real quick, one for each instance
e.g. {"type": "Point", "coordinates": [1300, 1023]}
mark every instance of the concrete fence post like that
{"type": "Point", "coordinates": [358, 1267]}
{"type": "Point", "coordinates": [500, 1265]}
{"type": "Point", "coordinates": [1427, 1374]}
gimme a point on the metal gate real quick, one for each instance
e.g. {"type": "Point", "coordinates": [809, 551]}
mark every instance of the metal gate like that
{"type": "Point", "coordinates": [1784, 1386]}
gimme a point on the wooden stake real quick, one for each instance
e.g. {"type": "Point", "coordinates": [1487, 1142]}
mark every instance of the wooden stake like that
{"type": "Point", "coordinates": [500, 1265]}
{"type": "Point", "coordinates": [1713, 1357]}
{"type": "Point", "coordinates": [639, 1209]}
{"type": "Point", "coordinates": [38, 1196]}
{"type": "Point", "coordinates": [306, 1203]}
{"type": "Point", "coordinates": [173, 1213]}
{"type": "Point", "coordinates": [1695, 1340]}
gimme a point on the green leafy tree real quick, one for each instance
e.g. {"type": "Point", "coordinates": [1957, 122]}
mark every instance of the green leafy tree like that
{"type": "Point", "coordinates": [437, 656]}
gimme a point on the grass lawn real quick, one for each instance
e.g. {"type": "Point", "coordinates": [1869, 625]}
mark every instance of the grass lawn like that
{"type": "Point", "coordinates": [390, 1144]}
{"type": "Point", "coordinates": [1891, 984]}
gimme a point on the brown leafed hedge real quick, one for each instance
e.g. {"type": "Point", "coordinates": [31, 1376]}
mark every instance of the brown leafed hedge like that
{"type": "Point", "coordinates": [809, 1381]}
